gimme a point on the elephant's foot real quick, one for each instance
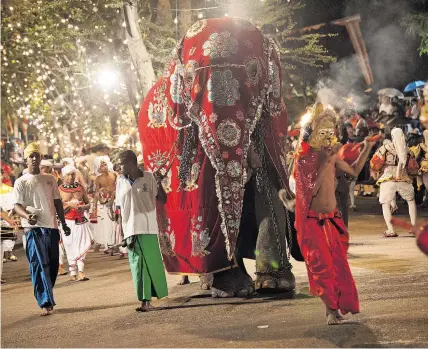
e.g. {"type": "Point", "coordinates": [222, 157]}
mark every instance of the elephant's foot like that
{"type": "Point", "coordinates": [232, 283]}
{"type": "Point", "coordinates": [206, 281]}
{"type": "Point", "coordinates": [275, 282]}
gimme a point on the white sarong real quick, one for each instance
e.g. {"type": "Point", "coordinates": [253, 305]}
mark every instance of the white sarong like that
{"type": "Point", "coordinates": [104, 230]}
{"type": "Point", "coordinates": [8, 245]}
{"type": "Point", "coordinates": [77, 244]}
{"type": "Point", "coordinates": [61, 252]}
{"type": "Point", "coordinates": [1, 252]}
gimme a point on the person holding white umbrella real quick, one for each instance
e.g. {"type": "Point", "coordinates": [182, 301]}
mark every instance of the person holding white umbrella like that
{"type": "Point", "coordinates": [386, 106]}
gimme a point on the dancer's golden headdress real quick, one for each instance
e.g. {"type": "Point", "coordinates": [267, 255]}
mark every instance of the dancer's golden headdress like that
{"type": "Point", "coordinates": [323, 124]}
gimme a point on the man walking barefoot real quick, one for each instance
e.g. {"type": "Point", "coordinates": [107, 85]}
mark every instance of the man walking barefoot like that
{"type": "Point", "coordinates": [136, 195]}
{"type": "Point", "coordinates": [102, 212]}
{"type": "Point", "coordinates": [75, 203]}
{"type": "Point", "coordinates": [37, 201]}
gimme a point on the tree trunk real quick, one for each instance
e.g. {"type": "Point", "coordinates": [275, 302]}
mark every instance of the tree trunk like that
{"type": "Point", "coordinates": [137, 50]}
{"type": "Point", "coordinates": [128, 76]}
{"type": "Point", "coordinates": [15, 127]}
{"type": "Point", "coordinates": [185, 20]}
{"type": "Point", "coordinates": [114, 116]}
{"type": "Point", "coordinates": [164, 13]}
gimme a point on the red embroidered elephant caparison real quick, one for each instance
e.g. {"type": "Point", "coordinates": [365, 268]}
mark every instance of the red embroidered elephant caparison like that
{"type": "Point", "coordinates": [195, 128]}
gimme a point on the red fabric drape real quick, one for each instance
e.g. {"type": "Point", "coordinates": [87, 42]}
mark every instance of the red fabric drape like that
{"type": "Point", "coordinates": [224, 77]}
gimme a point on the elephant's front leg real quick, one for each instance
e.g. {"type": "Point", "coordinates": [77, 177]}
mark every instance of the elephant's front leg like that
{"type": "Point", "coordinates": [234, 282]}
{"type": "Point", "coordinates": [273, 268]}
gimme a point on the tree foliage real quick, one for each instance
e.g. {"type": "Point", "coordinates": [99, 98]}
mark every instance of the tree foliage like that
{"type": "Point", "coordinates": [417, 24]}
{"type": "Point", "coordinates": [52, 55]}
{"type": "Point", "coordinates": [296, 47]}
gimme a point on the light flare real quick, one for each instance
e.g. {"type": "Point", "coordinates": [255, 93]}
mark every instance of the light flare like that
{"type": "Point", "coordinates": [305, 119]}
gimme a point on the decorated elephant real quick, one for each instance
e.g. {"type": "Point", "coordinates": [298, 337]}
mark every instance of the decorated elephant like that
{"type": "Point", "coordinates": [212, 130]}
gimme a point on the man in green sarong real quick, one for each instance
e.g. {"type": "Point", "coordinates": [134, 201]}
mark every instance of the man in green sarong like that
{"type": "Point", "coordinates": [136, 195]}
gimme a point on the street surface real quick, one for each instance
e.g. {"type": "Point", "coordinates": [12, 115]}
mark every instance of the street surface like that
{"type": "Point", "coordinates": [391, 276]}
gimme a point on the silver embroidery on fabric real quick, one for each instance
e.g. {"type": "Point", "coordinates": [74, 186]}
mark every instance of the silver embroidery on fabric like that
{"type": "Point", "coordinates": [229, 133]}
{"type": "Point", "coordinates": [223, 88]}
{"type": "Point", "coordinates": [253, 68]}
{"type": "Point", "coordinates": [176, 88]}
{"type": "Point", "coordinates": [196, 28]}
{"type": "Point", "coordinates": [220, 45]}
{"type": "Point", "coordinates": [200, 238]}
{"type": "Point", "coordinates": [167, 240]}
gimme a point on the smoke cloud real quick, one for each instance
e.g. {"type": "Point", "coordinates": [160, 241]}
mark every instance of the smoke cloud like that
{"type": "Point", "coordinates": [391, 55]}
{"type": "Point", "coordinates": [342, 88]}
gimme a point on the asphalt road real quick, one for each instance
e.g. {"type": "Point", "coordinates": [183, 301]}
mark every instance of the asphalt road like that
{"type": "Point", "coordinates": [391, 276]}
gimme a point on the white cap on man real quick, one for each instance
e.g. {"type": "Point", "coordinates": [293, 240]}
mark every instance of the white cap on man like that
{"type": "Point", "coordinates": [69, 161]}
{"type": "Point", "coordinates": [46, 163]}
{"type": "Point", "coordinates": [66, 170]}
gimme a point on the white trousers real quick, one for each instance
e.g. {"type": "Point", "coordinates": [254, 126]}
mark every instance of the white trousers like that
{"type": "Point", "coordinates": [77, 245]}
{"type": "Point", "coordinates": [8, 245]}
{"type": "Point", "coordinates": [388, 191]}
{"type": "Point", "coordinates": [61, 254]}
{"type": "Point", "coordinates": [1, 252]}
{"type": "Point", "coordinates": [104, 230]}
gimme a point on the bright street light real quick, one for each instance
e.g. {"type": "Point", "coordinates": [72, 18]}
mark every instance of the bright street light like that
{"type": "Point", "coordinates": [107, 77]}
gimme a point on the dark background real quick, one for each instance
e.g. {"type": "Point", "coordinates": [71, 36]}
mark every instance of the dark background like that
{"type": "Point", "coordinates": [393, 54]}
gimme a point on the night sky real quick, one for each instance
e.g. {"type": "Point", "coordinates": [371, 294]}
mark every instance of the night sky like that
{"type": "Point", "coordinates": [392, 53]}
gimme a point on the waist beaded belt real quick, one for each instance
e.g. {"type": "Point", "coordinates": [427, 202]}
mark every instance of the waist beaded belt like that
{"type": "Point", "coordinates": [77, 216]}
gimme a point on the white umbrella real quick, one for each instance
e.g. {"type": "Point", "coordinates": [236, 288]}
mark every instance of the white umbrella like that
{"type": "Point", "coordinates": [390, 92]}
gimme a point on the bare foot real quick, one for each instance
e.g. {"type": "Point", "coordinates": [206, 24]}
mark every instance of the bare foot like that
{"type": "Point", "coordinates": [339, 315]}
{"type": "Point", "coordinates": [332, 317]}
{"type": "Point", "coordinates": [184, 280]}
{"type": "Point", "coordinates": [45, 312]}
{"type": "Point", "coordinates": [61, 270]}
{"type": "Point", "coordinates": [82, 277]}
{"type": "Point", "coordinates": [145, 306]}
{"type": "Point", "coordinates": [73, 278]}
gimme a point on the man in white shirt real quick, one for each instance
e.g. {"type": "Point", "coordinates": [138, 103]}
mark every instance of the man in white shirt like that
{"type": "Point", "coordinates": [136, 195]}
{"type": "Point", "coordinates": [37, 201]}
{"type": "Point", "coordinates": [386, 106]}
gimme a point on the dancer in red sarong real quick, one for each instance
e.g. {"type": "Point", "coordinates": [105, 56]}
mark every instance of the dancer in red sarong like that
{"type": "Point", "coordinates": [321, 233]}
